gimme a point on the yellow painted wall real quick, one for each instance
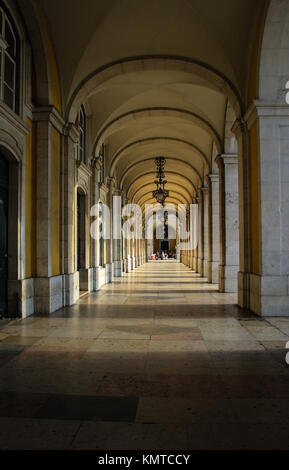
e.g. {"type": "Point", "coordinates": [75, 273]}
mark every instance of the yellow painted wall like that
{"type": "Point", "coordinates": [30, 203]}
{"type": "Point", "coordinates": [56, 202]}
{"type": "Point", "coordinates": [255, 201]}
{"type": "Point", "coordinates": [89, 218]}
{"type": "Point", "coordinates": [253, 87]}
{"type": "Point", "coordinates": [53, 68]}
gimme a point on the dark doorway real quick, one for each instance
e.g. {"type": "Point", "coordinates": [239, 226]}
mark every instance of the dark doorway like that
{"type": "Point", "coordinates": [80, 231]}
{"type": "Point", "coordinates": [165, 246]}
{"type": "Point", "coordinates": [4, 183]}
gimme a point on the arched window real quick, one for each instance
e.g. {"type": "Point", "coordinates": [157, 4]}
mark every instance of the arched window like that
{"type": "Point", "coordinates": [102, 162]}
{"type": "Point", "coordinates": [100, 238]}
{"type": "Point", "coordinates": [9, 52]}
{"type": "Point", "coordinates": [82, 135]}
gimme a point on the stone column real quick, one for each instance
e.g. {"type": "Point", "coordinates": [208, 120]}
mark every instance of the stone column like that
{"type": "Point", "coordinates": [229, 222]}
{"type": "Point", "coordinates": [150, 248]}
{"type": "Point", "coordinates": [109, 243]}
{"type": "Point", "coordinates": [125, 255]}
{"type": "Point", "coordinates": [201, 234]}
{"type": "Point", "coordinates": [130, 254]}
{"type": "Point", "coordinates": [134, 245]}
{"type": "Point", "coordinates": [71, 278]}
{"type": "Point", "coordinates": [206, 226]}
{"type": "Point", "coordinates": [117, 244]}
{"type": "Point", "coordinates": [214, 251]}
{"type": "Point", "coordinates": [269, 278]}
{"type": "Point", "coordinates": [240, 129]}
{"type": "Point", "coordinates": [195, 240]}
{"type": "Point", "coordinates": [95, 196]}
{"type": "Point", "coordinates": [48, 287]}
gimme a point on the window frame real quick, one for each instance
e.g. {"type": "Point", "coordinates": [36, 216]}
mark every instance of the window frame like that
{"type": "Point", "coordinates": [81, 148]}
{"type": "Point", "coordinates": [15, 60]}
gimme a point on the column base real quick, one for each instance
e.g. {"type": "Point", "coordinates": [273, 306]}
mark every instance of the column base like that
{"type": "Point", "coordinates": [21, 298]}
{"type": "Point", "coordinates": [71, 288]}
{"type": "Point", "coordinates": [201, 267]}
{"type": "Point", "coordinates": [125, 265]}
{"type": "Point", "coordinates": [48, 294]}
{"type": "Point", "coordinates": [243, 289]}
{"type": "Point", "coordinates": [130, 264]}
{"type": "Point", "coordinates": [206, 268]}
{"type": "Point", "coordinates": [86, 280]}
{"type": "Point", "coordinates": [269, 295]}
{"type": "Point", "coordinates": [213, 272]}
{"type": "Point", "coordinates": [228, 279]}
{"type": "Point", "coordinates": [118, 269]}
{"type": "Point", "coordinates": [99, 278]}
{"type": "Point", "coordinates": [109, 273]}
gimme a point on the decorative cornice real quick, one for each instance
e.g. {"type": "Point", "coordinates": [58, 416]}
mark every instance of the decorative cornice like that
{"type": "Point", "coordinates": [117, 192]}
{"type": "Point", "coordinates": [110, 182]}
{"type": "Point", "coordinates": [214, 178]}
{"type": "Point", "coordinates": [259, 109]}
{"type": "Point", "coordinates": [226, 159]}
{"type": "Point", "coordinates": [96, 163]}
{"type": "Point", "coordinates": [71, 131]}
{"type": "Point", "coordinates": [204, 189]}
{"type": "Point", "coordinates": [49, 114]}
{"type": "Point", "coordinates": [239, 127]}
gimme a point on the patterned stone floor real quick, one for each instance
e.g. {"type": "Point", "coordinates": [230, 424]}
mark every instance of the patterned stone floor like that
{"type": "Point", "coordinates": [157, 360]}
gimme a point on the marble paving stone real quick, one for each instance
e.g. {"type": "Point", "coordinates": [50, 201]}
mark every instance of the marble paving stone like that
{"type": "Point", "coordinates": [176, 346]}
{"type": "Point", "coordinates": [261, 410]}
{"type": "Point", "coordinates": [115, 345]}
{"type": "Point", "coordinates": [22, 340]}
{"type": "Point", "coordinates": [67, 342]}
{"type": "Point", "coordinates": [237, 436]}
{"type": "Point", "coordinates": [3, 336]}
{"type": "Point", "coordinates": [109, 333]}
{"type": "Point", "coordinates": [233, 346]}
{"type": "Point", "coordinates": [130, 436]}
{"type": "Point", "coordinates": [160, 348]}
{"type": "Point", "coordinates": [75, 332]}
{"type": "Point", "coordinates": [177, 410]}
{"type": "Point", "coordinates": [15, 404]}
{"type": "Point", "coordinates": [269, 333]}
{"type": "Point", "coordinates": [189, 335]}
{"type": "Point", "coordinates": [140, 386]}
{"type": "Point", "coordinates": [36, 434]}
{"type": "Point", "coordinates": [89, 408]}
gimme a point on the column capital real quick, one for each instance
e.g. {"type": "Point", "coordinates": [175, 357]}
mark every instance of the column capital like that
{"type": "Point", "coordinates": [213, 177]}
{"type": "Point", "coordinates": [96, 163]}
{"type": "Point", "coordinates": [71, 131]}
{"type": "Point", "coordinates": [240, 126]}
{"type": "Point", "coordinates": [259, 109]}
{"type": "Point", "coordinates": [226, 159]}
{"type": "Point", "coordinates": [51, 115]}
{"type": "Point", "coordinates": [110, 182]}
{"type": "Point", "coordinates": [117, 192]}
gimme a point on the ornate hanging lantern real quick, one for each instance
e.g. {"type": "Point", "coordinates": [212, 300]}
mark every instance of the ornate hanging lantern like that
{"type": "Point", "coordinates": [160, 194]}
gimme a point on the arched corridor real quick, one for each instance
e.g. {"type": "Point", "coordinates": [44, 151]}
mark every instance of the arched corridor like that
{"type": "Point", "coordinates": [144, 207]}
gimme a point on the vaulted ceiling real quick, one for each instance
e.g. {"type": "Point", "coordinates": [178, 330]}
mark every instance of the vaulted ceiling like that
{"type": "Point", "coordinates": [155, 77]}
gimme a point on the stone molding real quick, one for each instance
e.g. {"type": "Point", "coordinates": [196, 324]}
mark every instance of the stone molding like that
{"type": "Point", "coordinates": [13, 119]}
{"type": "Point", "coordinates": [72, 132]}
{"type": "Point", "coordinates": [51, 115]}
